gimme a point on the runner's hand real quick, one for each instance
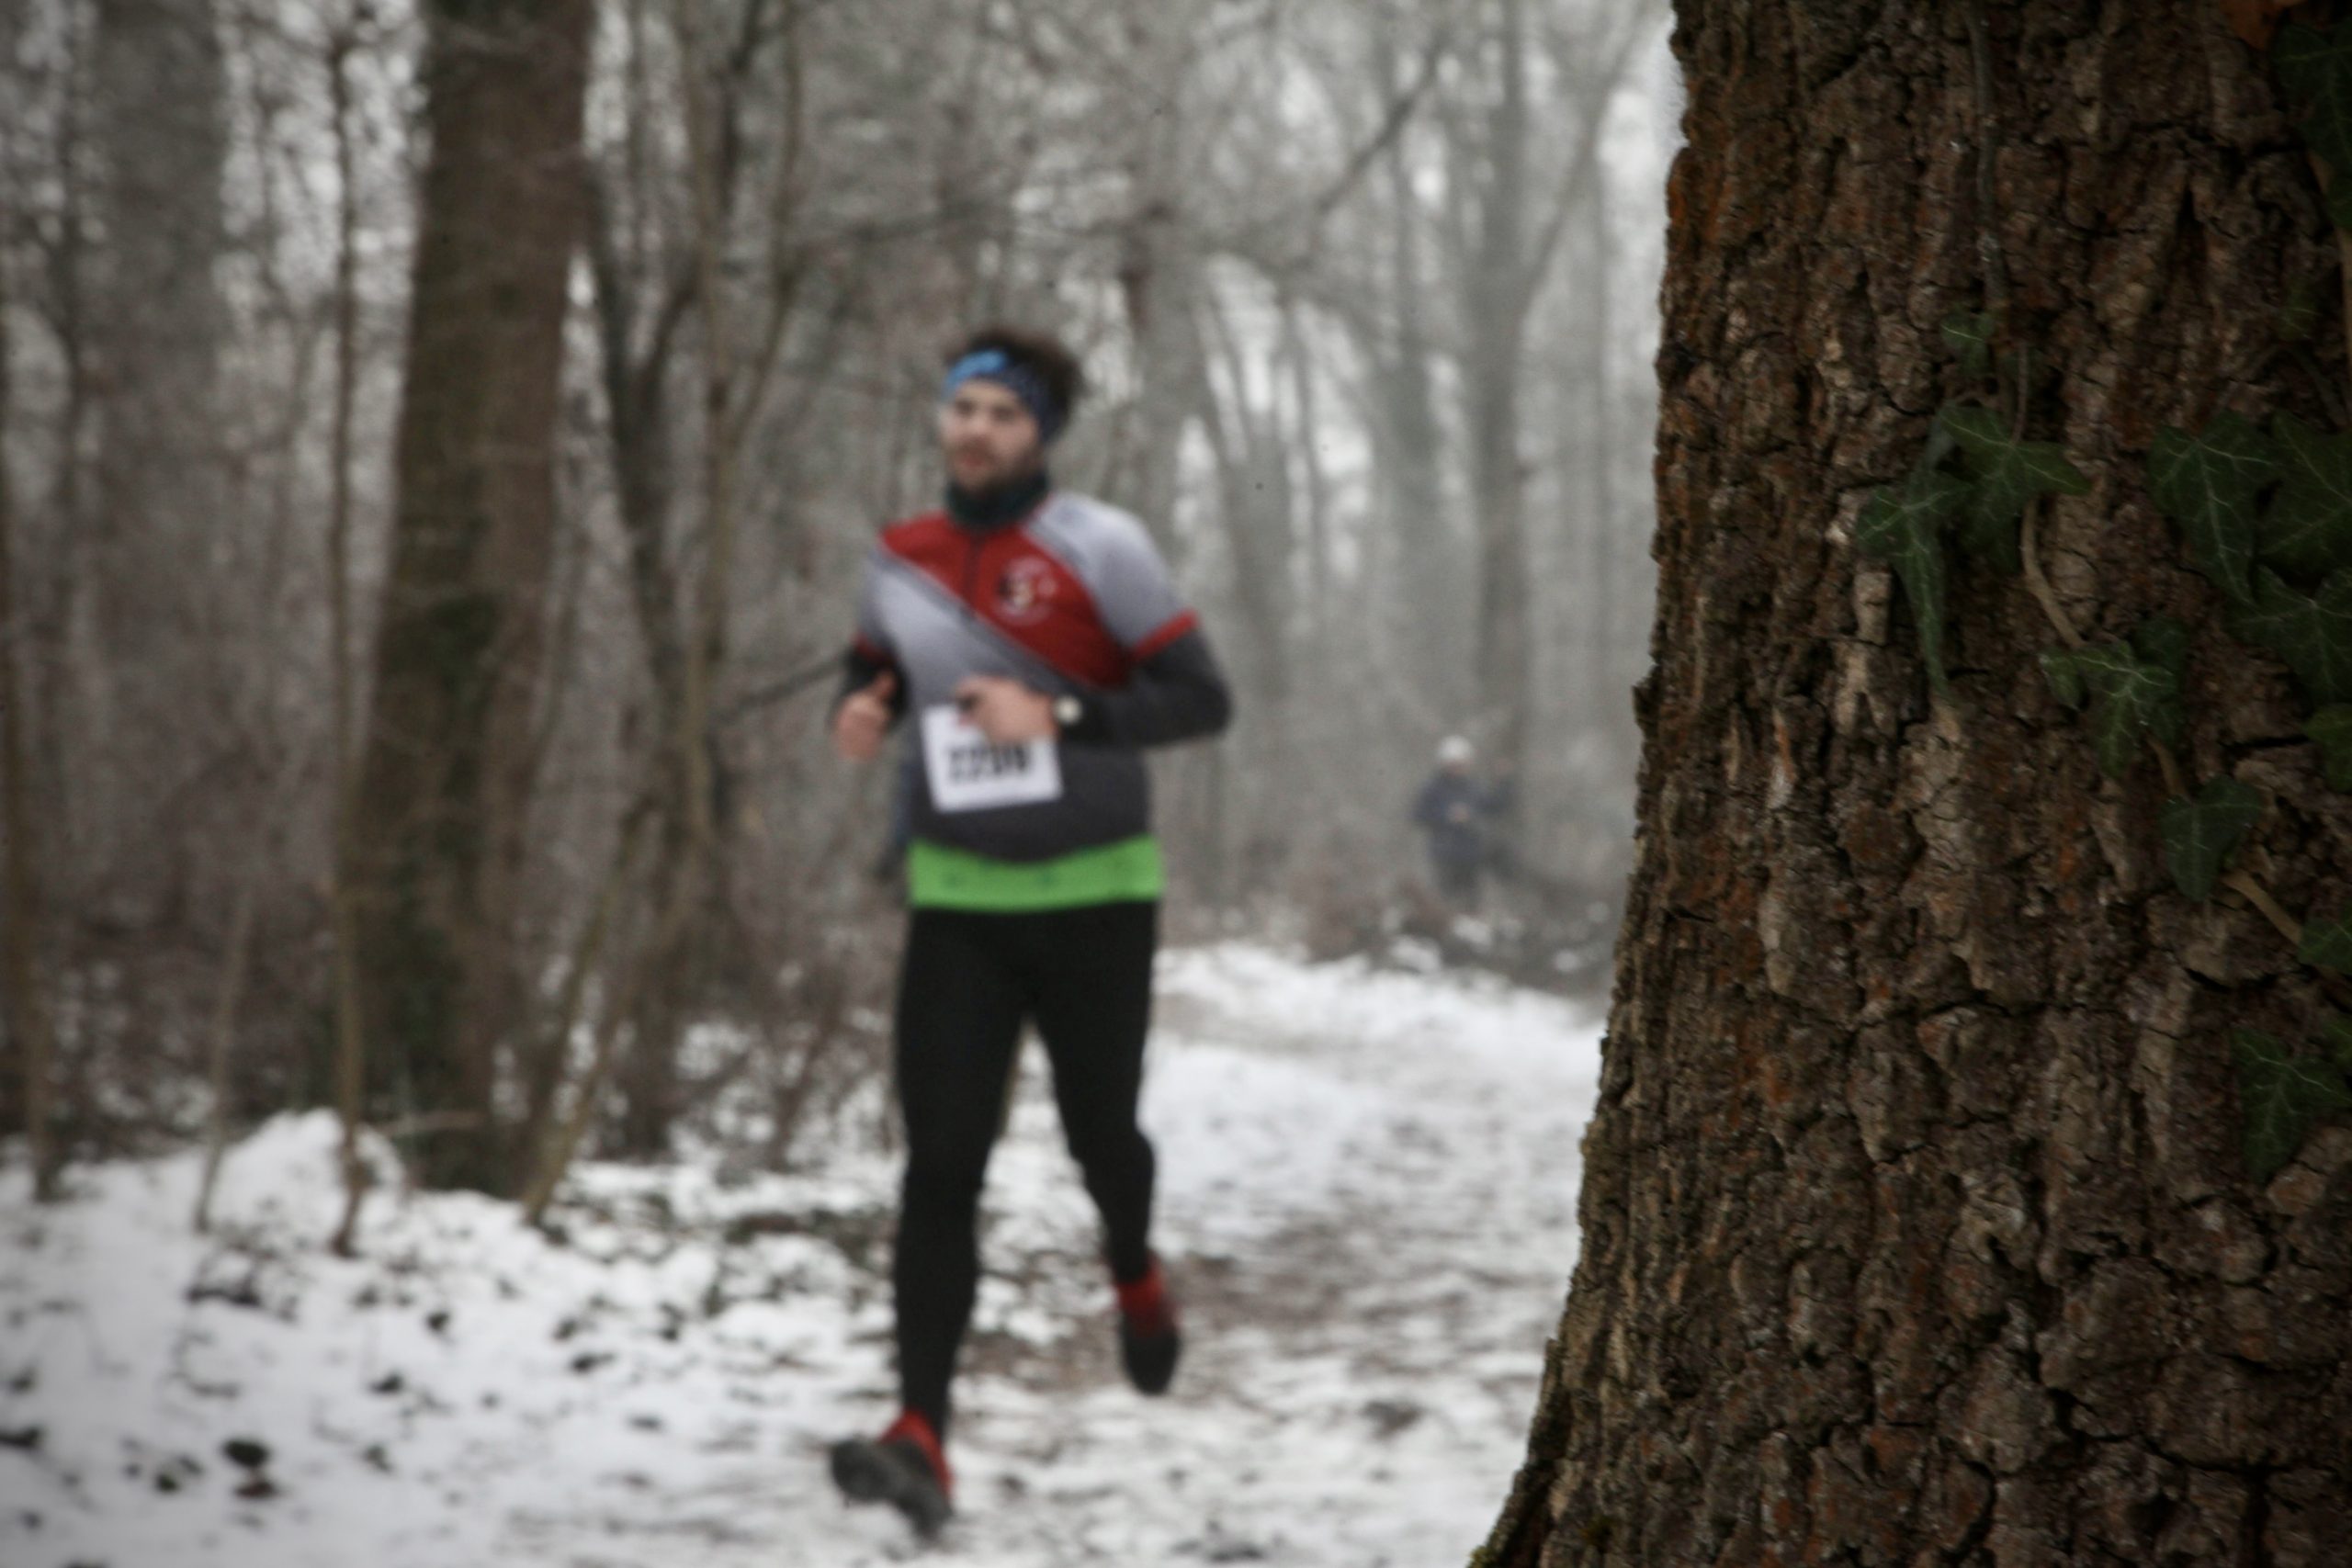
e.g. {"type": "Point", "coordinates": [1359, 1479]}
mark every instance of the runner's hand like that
{"type": "Point", "coordinates": [1005, 711]}
{"type": "Point", "coordinates": [863, 718]}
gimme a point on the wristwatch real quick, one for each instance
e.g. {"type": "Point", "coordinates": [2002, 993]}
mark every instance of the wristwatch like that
{"type": "Point", "coordinates": [1067, 711]}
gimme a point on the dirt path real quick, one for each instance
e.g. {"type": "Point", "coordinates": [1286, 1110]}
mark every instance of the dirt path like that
{"type": "Point", "coordinates": [1368, 1192]}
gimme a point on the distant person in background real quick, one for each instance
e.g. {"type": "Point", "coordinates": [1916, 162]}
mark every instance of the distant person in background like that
{"type": "Point", "coordinates": [1460, 815]}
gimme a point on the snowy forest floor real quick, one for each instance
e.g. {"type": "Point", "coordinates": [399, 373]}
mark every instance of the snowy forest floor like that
{"type": "Point", "coordinates": [1368, 1187]}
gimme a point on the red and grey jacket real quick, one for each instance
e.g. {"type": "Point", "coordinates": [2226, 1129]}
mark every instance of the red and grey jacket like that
{"type": "Point", "coordinates": [1070, 600]}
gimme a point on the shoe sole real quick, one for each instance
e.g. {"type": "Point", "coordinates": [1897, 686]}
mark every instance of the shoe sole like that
{"type": "Point", "coordinates": [1146, 1371]}
{"type": "Point", "coordinates": [866, 1474]}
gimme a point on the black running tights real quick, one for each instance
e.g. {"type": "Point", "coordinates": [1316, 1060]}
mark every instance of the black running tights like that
{"type": "Point", "coordinates": [969, 983]}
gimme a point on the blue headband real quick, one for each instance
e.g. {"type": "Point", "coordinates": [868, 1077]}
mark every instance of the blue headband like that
{"type": "Point", "coordinates": [995, 364]}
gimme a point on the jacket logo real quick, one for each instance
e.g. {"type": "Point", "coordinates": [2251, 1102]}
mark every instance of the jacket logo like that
{"type": "Point", "coordinates": [1026, 591]}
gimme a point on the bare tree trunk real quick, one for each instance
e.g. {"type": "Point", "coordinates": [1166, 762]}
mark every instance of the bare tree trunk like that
{"type": "Point", "coordinates": [75, 639]}
{"type": "Point", "coordinates": [223, 1040]}
{"type": "Point", "coordinates": [1433, 611]}
{"type": "Point", "coordinates": [15, 625]}
{"type": "Point", "coordinates": [159, 80]}
{"type": "Point", "coordinates": [640, 431]}
{"type": "Point", "coordinates": [686, 650]}
{"type": "Point", "coordinates": [1254, 507]}
{"type": "Point", "coordinates": [28, 1014]}
{"type": "Point", "coordinates": [560, 1145]}
{"type": "Point", "coordinates": [350, 1033]}
{"type": "Point", "coordinates": [445, 778]}
{"type": "Point", "coordinates": [1916, 1227]}
{"type": "Point", "coordinates": [1158, 287]}
{"type": "Point", "coordinates": [1497, 296]}
{"type": "Point", "coordinates": [1600, 639]}
{"type": "Point", "coordinates": [1308, 428]}
{"type": "Point", "coordinates": [691, 821]}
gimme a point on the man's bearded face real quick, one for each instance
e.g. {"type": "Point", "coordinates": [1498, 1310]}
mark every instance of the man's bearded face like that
{"type": "Point", "coordinates": [989, 437]}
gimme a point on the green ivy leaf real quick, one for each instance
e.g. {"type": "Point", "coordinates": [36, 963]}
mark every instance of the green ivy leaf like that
{"type": "Point", "coordinates": [1969, 334]}
{"type": "Point", "coordinates": [2339, 1040]}
{"type": "Point", "coordinates": [2065, 677]}
{"type": "Point", "coordinates": [2164, 642]}
{"type": "Point", "coordinates": [2327, 944]}
{"type": "Point", "coordinates": [1904, 527]}
{"type": "Point", "coordinates": [2279, 1097]}
{"type": "Point", "coordinates": [1989, 532]}
{"type": "Point", "coordinates": [2316, 70]}
{"type": "Point", "coordinates": [2207, 483]}
{"type": "Point", "coordinates": [2200, 835]}
{"type": "Point", "coordinates": [2309, 529]}
{"type": "Point", "coordinates": [2330, 730]}
{"type": "Point", "coordinates": [2129, 695]}
{"type": "Point", "coordinates": [1986, 440]}
{"type": "Point", "coordinates": [2007, 473]}
{"type": "Point", "coordinates": [2311, 632]}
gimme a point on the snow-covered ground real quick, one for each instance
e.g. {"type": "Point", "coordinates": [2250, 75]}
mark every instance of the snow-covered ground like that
{"type": "Point", "coordinates": [1368, 1183]}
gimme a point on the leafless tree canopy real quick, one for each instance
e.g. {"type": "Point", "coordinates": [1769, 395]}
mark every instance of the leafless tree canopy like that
{"type": "Point", "coordinates": [439, 442]}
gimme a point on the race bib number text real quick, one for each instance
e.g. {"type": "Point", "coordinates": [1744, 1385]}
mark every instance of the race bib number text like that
{"type": "Point", "coordinates": [966, 773]}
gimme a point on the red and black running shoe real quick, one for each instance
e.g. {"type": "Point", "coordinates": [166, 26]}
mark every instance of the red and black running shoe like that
{"type": "Point", "coordinates": [1149, 1339]}
{"type": "Point", "coordinates": [904, 1467]}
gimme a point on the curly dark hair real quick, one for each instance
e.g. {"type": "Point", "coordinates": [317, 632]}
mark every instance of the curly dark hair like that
{"type": "Point", "coordinates": [1041, 353]}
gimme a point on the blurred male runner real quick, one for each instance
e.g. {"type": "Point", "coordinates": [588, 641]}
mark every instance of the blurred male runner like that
{"type": "Point", "coordinates": [1031, 640]}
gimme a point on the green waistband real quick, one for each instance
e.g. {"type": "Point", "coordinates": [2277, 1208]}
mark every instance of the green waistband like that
{"type": "Point", "coordinates": [942, 878]}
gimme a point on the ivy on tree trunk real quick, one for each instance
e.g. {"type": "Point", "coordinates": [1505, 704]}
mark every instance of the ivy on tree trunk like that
{"type": "Point", "coordinates": [1918, 1220]}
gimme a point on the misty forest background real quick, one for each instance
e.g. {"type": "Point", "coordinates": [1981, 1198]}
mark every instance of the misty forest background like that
{"type": "Point", "coordinates": [300, 728]}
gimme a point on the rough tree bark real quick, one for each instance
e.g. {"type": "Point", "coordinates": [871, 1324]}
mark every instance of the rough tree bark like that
{"type": "Point", "coordinates": [445, 778]}
{"type": "Point", "coordinates": [1915, 1224]}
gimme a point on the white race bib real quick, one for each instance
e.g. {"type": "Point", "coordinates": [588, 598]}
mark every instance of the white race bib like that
{"type": "Point", "coordinates": [966, 773]}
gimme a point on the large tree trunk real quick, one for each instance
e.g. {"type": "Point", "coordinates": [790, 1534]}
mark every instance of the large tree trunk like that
{"type": "Point", "coordinates": [1915, 1228]}
{"type": "Point", "coordinates": [446, 778]}
{"type": "Point", "coordinates": [163, 459]}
